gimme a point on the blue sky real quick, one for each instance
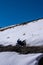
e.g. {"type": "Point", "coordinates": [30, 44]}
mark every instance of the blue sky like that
{"type": "Point", "coordinates": [18, 11]}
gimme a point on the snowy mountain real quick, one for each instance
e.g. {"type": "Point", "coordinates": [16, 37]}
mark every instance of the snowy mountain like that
{"type": "Point", "coordinates": [31, 32]}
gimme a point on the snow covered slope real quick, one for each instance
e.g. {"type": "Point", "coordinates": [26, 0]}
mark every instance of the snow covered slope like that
{"type": "Point", "coordinates": [31, 32]}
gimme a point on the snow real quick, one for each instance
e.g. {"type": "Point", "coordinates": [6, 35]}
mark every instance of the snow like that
{"type": "Point", "coordinates": [31, 32]}
{"type": "Point", "coordinates": [12, 58]}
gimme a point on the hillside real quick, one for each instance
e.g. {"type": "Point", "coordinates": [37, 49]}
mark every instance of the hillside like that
{"type": "Point", "coordinates": [31, 32]}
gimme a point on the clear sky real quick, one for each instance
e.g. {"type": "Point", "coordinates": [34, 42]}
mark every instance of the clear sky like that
{"type": "Point", "coordinates": [18, 11]}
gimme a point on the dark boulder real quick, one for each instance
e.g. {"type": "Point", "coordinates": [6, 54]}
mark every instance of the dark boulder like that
{"type": "Point", "coordinates": [21, 43]}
